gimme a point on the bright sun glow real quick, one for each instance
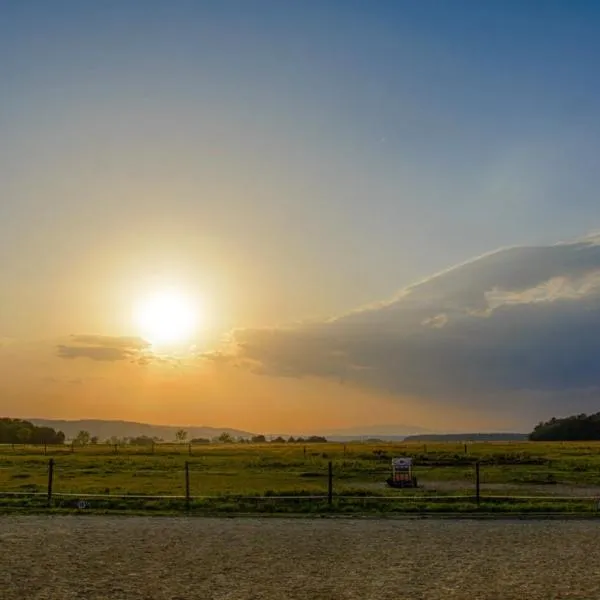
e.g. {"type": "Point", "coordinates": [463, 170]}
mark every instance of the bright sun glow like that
{"type": "Point", "coordinates": [166, 317]}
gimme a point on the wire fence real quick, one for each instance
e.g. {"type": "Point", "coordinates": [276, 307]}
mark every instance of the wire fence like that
{"type": "Point", "coordinates": [333, 486]}
{"type": "Point", "coordinates": [105, 448]}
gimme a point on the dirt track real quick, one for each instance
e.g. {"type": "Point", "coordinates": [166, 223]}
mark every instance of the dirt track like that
{"type": "Point", "coordinates": [135, 558]}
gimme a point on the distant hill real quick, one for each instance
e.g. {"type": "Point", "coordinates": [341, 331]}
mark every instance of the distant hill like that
{"type": "Point", "coordinates": [365, 438]}
{"type": "Point", "coordinates": [392, 433]}
{"type": "Point", "coordinates": [105, 429]}
{"type": "Point", "coordinates": [122, 429]}
{"type": "Point", "coordinates": [467, 437]}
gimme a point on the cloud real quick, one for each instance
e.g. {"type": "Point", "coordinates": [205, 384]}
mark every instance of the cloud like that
{"type": "Point", "coordinates": [105, 348]}
{"type": "Point", "coordinates": [518, 321]}
{"type": "Point", "coordinates": [93, 352]}
{"type": "Point", "coordinates": [112, 341]}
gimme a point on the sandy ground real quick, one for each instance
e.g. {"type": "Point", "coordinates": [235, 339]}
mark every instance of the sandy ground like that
{"type": "Point", "coordinates": [139, 558]}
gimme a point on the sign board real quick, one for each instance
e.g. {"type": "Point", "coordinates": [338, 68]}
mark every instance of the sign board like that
{"type": "Point", "coordinates": [402, 464]}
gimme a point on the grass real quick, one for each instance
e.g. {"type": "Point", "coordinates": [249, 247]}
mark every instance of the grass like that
{"type": "Point", "coordinates": [515, 477]}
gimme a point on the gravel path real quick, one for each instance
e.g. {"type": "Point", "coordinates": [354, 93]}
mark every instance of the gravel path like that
{"type": "Point", "coordinates": [139, 558]}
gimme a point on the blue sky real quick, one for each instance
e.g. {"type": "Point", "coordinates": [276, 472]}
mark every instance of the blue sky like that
{"type": "Point", "coordinates": [287, 160]}
{"type": "Point", "coordinates": [397, 136]}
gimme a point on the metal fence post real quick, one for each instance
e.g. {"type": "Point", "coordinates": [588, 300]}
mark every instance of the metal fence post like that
{"type": "Point", "coordinates": [50, 481]}
{"type": "Point", "coordinates": [477, 484]}
{"type": "Point", "coordinates": [187, 485]}
{"type": "Point", "coordinates": [330, 484]}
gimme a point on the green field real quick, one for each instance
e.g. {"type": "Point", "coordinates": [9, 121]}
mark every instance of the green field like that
{"type": "Point", "coordinates": [520, 476]}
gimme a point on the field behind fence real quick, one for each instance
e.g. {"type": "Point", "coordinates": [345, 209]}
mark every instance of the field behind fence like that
{"type": "Point", "coordinates": [452, 477]}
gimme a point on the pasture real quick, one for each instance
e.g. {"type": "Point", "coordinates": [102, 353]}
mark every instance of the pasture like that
{"type": "Point", "coordinates": [523, 476]}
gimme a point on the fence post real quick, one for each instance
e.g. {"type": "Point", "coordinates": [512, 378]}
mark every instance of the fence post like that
{"type": "Point", "coordinates": [72, 447]}
{"type": "Point", "coordinates": [465, 449]}
{"type": "Point", "coordinates": [330, 484]}
{"type": "Point", "coordinates": [304, 451]}
{"type": "Point", "coordinates": [477, 484]}
{"type": "Point", "coordinates": [190, 449]}
{"type": "Point", "coordinates": [45, 449]}
{"type": "Point", "coordinates": [115, 448]}
{"type": "Point", "coordinates": [187, 485]}
{"type": "Point", "coordinates": [50, 481]}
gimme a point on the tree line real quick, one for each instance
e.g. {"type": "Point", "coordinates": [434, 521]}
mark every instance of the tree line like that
{"type": "Point", "coordinates": [18, 431]}
{"type": "Point", "coordinates": [227, 438]}
{"type": "Point", "coordinates": [84, 438]}
{"type": "Point", "coordinates": [580, 427]}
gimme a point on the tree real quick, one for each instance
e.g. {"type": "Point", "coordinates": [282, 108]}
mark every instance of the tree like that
{"type": "Point", "coordinates": [15, 431]}
{"type": "Point", "coordinates": [47, 435]}
{"type": "Point", "coordinates": [225, 438]}
{"type": "Point", "coordinates": [278, 440]}
{"type": "Point", "coordinates": [181, 436]}
{"type": "Point", "coordinates": [291, 440]}
{"type": "Point", "coordinates": [580, 427]}
{"type": "Point", "coordinates": [82, 438]}
{"type": "Point", "coordinates": [258, 439]}
{"type": "Point", "coordinates": [113, 440]}
{"type": "Point", "coordinates": [200, 441]}
{"type": "Point", "coordinates": [141, 440]}
{"type": "Point", "coordinates": [94, 439]}
{"type": "Point", "coordinates": [23, 435]}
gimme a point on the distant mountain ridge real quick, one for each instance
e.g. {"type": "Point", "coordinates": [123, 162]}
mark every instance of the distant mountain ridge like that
{"type": "Point", "coordinates": [394, 432]}
{"type": "Point", "coordinates": [388, 429]}
{"type": "Point", "coordinates": [468, 437]}
{"type": "Point", "coordinates": [105, 429]}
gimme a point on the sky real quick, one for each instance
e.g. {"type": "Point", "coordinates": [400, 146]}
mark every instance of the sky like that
{"type": "Point", "coordinates": [293, 169]}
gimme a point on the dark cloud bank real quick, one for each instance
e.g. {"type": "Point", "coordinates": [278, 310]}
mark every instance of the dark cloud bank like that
{"type": "Point", "coordinates": [517, 330]}
{"type": "Point", "coordinates": [520, 325]}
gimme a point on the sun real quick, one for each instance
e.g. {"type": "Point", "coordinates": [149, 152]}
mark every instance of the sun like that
{"type": "Point", "coordinates": [166, 317]}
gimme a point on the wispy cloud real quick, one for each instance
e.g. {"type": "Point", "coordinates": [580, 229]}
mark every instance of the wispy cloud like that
{"type": "Point", "coordinates": [104, 348]}
{"type": "Point", "coordinates": [111, 341]}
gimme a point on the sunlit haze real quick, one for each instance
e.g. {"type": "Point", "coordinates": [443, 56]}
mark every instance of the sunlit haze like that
{"type": "Point", "coordinates": [299, 217]}
{"type": "Point", "coordinates": [166, 317]}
